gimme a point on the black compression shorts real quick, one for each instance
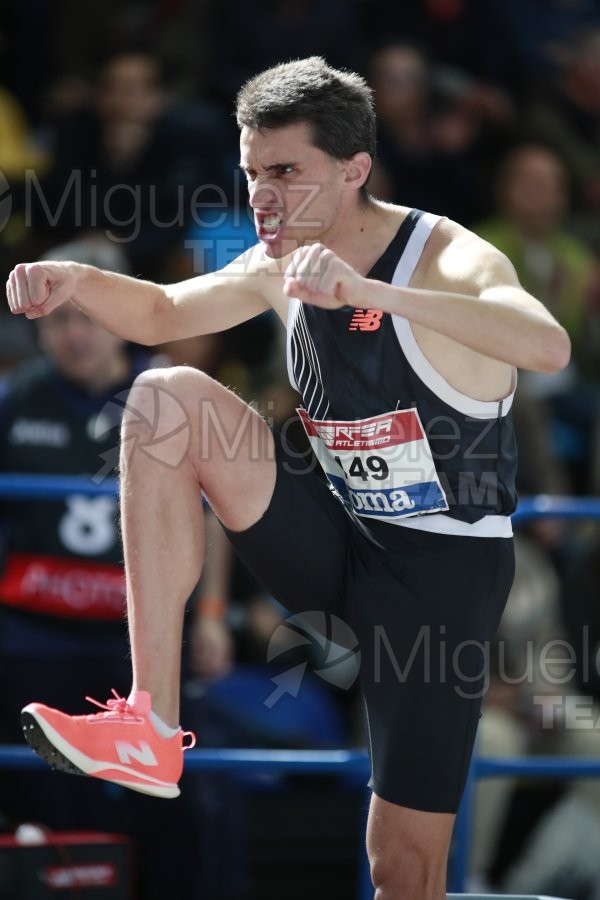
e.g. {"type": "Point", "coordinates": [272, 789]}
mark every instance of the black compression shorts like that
{"type": "Point", "coordinates": [424, 607]}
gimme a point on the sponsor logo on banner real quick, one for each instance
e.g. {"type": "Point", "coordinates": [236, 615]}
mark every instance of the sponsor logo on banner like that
{"type": "Point", "coordinates": [62, 586]}
{"type": "Point", "coordinates": [68, 878]}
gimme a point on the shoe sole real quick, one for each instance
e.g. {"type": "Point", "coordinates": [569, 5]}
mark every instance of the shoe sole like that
{"type": "Point", "coordinates": [59, 754]}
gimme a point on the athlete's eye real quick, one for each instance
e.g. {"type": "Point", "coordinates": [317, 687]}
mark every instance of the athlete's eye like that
{"type": "Point", "coordinates": [286, 169]}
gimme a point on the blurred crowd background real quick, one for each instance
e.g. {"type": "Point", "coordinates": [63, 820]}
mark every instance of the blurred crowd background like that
{"type": "Point", "coordinates": [118, 148]}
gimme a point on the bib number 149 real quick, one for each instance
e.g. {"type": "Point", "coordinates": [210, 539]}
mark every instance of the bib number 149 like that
{"type": "Point", "coordinates": [371, 467]}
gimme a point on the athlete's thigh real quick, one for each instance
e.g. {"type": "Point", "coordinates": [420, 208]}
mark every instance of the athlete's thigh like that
{"type": "Point", "coordinates": [197, 422]}
{"type": "Point", "coordinates": [300, 547]}
{"type": "Point", "coordinates": [424, 619]}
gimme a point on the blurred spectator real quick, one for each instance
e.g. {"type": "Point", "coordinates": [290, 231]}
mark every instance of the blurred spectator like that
{"type": "Point", "coordinates": [175, 30]}
{"type": "Point", "coordinates": [533, 201]}
{"type": "Point", "coordinates": [532, 192]}
{"type": "Point", "coordinates": [565, 111]}
{"type": "Point", "coordinates": [62, 601]}
{"type": "Point", "coordinates": [543, 699]}
{"type": "Point", "coordinates": [254, 36]}
{"type": "Point", "coordinates": [540, 469]}
{"type": "Point", "coordinates": [133, 165]}
{"type": "Point", "coordinates": [431, 125]}
{"type": "Point", "coordinates": [17, 343]}
{"type": "Point", "coordinates": [61, 588]}
{"type": "Point", "coordinates": [506, 726]}
{"type": "Point", "coordinates": [464, 35]}
{"type": "Point", "coordinates": [559, 857]}
{"type": "Point", "coordinates": [555, 422]}
{"type": "Point", "coordinates": [538, 28]}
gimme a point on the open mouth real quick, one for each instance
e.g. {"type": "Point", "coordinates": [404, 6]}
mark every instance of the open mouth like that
{"type": "Point", "coordinates": [268, 225]}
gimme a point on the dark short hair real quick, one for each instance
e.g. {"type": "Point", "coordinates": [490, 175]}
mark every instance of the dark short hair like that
{"type": "Point", "coordinates": [336, 105]}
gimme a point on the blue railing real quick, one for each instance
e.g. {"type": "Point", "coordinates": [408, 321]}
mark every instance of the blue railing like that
{"type": "Point", "coordinates": [349, 764]}
{"type": "Point", "coordinates": [545, 506]}
{"type": "Point", "coordinates": [15, 486]}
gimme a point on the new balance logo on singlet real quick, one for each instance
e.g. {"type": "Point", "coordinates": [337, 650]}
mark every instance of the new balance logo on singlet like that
{"type": "Point", "coordinates": [365, 320]}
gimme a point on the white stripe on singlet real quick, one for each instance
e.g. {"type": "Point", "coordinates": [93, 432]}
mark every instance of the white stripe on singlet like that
{"type": "Point", "coordinates": [301, 352]}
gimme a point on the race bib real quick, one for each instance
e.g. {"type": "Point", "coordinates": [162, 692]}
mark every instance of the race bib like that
{"type": "Point", "coordinates": [381, 466]}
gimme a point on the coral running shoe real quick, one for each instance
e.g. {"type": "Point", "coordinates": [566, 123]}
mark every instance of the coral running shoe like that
{"type": "Point", "coordinates": [119, 744]}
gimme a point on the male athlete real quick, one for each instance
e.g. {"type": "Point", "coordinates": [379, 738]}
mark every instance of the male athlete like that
{"type": "Point", "coordinates": [404, 334]}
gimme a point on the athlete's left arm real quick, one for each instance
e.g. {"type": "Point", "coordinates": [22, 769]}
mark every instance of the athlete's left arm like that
{"type": "Point", "coordinates": [473, 296]}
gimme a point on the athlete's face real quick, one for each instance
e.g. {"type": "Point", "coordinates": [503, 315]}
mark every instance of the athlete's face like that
{"type": "Point", "coordinates": [535, 191]}
{"type": "Point", "coordinates": [297, 191]}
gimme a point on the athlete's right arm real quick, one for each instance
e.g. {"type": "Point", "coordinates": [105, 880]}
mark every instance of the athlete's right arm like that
{"type": "Point", "coordinates": [142, 311]}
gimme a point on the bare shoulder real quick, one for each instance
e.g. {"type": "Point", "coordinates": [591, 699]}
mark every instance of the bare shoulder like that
{"type": "Point", "coordinates": [457, 260]}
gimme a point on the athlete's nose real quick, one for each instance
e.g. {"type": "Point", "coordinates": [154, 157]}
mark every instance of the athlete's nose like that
{"type": "Point", "coordinates": [265, 195]}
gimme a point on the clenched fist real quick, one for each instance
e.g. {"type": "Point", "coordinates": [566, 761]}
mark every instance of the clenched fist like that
{"type": "Point", "coordinates": [316, 275]}
{"type": "Point", "coordinates": [35, 289]}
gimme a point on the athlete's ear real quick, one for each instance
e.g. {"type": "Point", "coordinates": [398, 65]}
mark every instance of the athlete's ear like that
{"type": "Point", "coordinates": [356, 169]}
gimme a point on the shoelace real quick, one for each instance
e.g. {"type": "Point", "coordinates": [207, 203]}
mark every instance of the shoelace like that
{"type": "Point", "coordinates": [115, 705]}
{"type": "Point", "coordinates": [119, 706]}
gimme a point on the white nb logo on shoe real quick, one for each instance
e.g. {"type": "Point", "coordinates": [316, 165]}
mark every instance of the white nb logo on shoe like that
{"type": "Point", "coordinates": [142, 753]}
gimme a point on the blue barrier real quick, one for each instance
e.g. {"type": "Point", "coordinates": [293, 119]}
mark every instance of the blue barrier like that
{"type": "Point", "coordinates": [353, 764]}
{"type": "Point", "coordinates": [337, 762]}
{"type": "Point", "coordinates": [545, 506]}
{"type": "Point", "coordinates": [15, 486]}
{"type": "Point", "coordinates": [315, 762]}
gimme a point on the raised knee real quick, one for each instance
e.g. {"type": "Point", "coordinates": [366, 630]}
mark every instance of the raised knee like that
{"type": "Point", "coordinates": [168, 395]}
{"type": "Point", "coordinates": [158, 417]}
{"type": "Point", "coordinates": [174, 379]}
